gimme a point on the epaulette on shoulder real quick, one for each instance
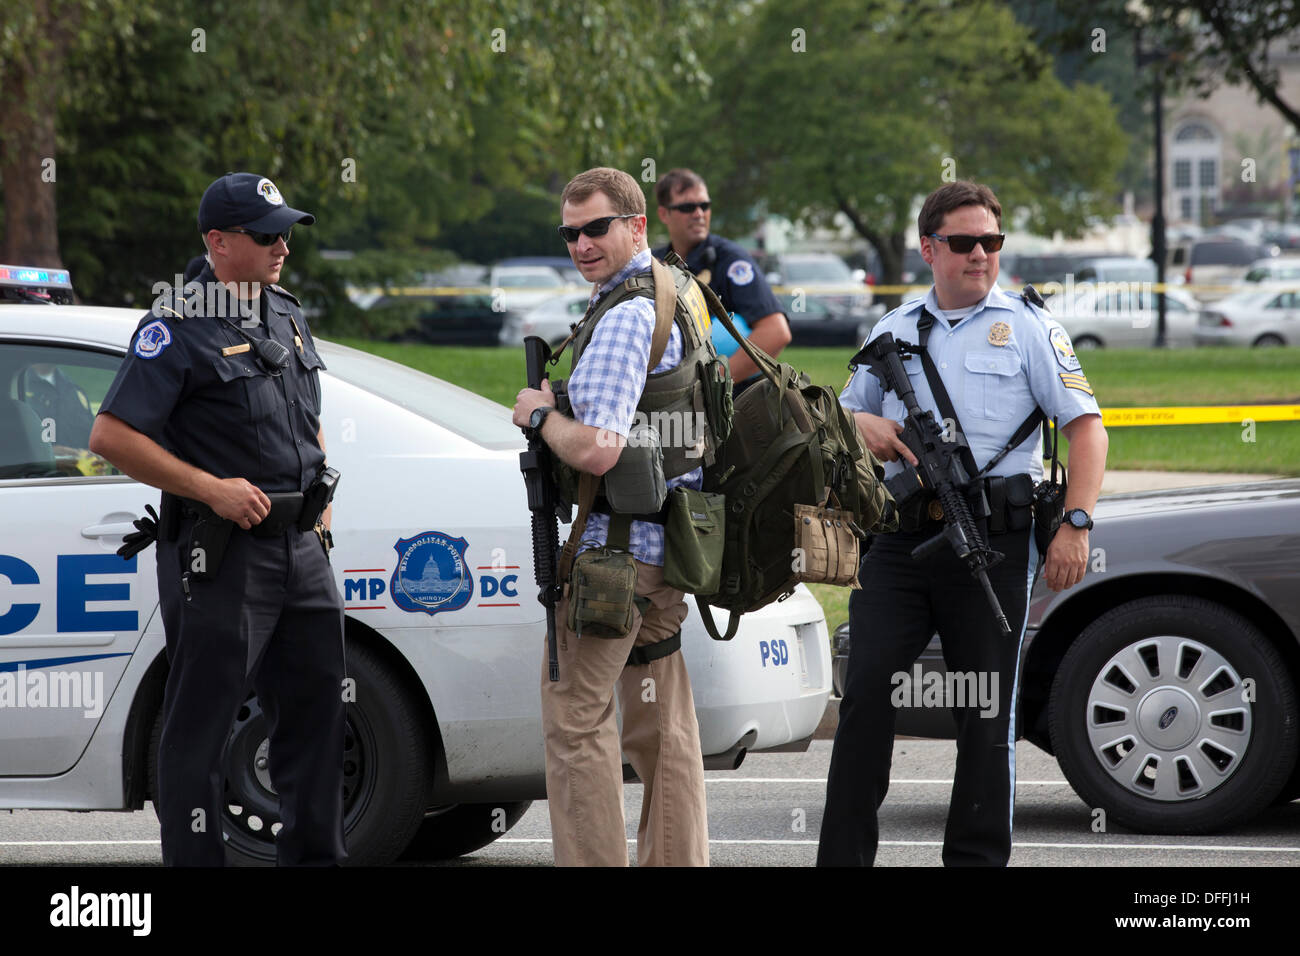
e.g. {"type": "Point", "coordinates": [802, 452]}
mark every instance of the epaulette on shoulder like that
{"type": "Point", "coordinates": [287, 294]}
{"type": "Point", "coordinates": [169, 305]}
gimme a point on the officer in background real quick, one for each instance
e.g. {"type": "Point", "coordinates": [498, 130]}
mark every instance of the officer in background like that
{"type": "Point", "coordinates": [998, 357]}
{"type": "Point", "coordinates": [604, 226]}
{"type": "Point", "coordinates": [208, 408]}
{"type": "Point", "coordinates": [684, 208]}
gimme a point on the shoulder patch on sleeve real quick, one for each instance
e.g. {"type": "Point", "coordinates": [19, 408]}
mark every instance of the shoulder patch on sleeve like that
{"type": "Point", "coordinates": [152, 339]}
{"type": "Point", "coordinates": [741, 272]}
{"type": "Point", "coordinates": [1064, 349]}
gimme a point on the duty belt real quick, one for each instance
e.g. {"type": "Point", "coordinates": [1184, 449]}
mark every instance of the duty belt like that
{"type": "Point", "coordinates": [286, 510]}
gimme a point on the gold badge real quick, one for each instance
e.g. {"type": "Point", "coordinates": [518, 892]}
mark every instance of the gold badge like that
{"type": "Point", "coordinates": [1000, 334]}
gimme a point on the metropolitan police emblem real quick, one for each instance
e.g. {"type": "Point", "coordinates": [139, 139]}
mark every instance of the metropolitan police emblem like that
{"type": "Point", "coordinates": [1065, 356]}
{"type": "Point", "coordinates": [431, 574]}
{"type": "Point", "coordinates": [1000, 334]}
{"type": "Point", "coordinates": [153, 338]}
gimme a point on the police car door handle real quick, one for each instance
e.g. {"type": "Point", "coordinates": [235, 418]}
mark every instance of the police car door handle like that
{"type": "Point", "coordinates": [117, 529]}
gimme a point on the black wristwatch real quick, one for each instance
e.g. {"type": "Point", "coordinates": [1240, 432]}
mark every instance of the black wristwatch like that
{"type": "Point", "coordinates": [537, 417]}
{"type": "Point", "coordinates": [1078, 518]}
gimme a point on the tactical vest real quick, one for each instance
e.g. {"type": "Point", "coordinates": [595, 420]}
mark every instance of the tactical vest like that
{"type": "Point", "coordinates": [690, 404]}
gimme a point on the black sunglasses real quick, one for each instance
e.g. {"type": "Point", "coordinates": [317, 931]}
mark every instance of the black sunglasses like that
{"type": "Point", "coordinates": [964, 244]}
{"type": "Point", "coordinates": [264, 238]}
{"type": "Point", "coordinates": [689, 207]}
{"type": "Point", "coordinates": [595, 228]}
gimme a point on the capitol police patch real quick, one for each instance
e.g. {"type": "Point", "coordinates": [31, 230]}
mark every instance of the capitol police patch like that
{"type": "Point", "coordinates": [431, 574]}
{"type": "Point", "coordinates": [740, 272]}
{"type": "Point", "coordinates": [1064, 349]}
{"type": "Point", "coordinates": [269, 192]}
{"type": "Point", "coordinates": [152, 339]}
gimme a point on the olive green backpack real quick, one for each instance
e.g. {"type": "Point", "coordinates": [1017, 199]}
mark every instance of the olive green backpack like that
{"type": "Point", "coordinates": [800, 488]}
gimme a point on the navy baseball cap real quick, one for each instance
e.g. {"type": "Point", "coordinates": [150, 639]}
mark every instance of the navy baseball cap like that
{"type": "Point", "coordinates": [250, 201]}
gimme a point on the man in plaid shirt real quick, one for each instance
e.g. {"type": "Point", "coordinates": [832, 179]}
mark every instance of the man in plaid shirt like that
{"type": "Point", "coordinates": [604, 225]}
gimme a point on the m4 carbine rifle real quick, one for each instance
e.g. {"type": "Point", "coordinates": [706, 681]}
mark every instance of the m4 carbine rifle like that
{"type": "Point", "coordinates": [940, 468]}
{"type": "Point", "coordinates": [546, 505]}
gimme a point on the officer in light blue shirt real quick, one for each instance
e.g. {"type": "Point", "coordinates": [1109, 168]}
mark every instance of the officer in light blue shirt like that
{"type": "Point", "coordinates": [998, 358]}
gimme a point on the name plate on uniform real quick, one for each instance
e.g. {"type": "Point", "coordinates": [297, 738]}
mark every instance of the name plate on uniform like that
{"type": "Point", "coordinates": [236, 349]}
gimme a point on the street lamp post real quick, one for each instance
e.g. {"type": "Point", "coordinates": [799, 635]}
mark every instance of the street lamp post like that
{"type": "Point", "coordinates": [1159, 244]}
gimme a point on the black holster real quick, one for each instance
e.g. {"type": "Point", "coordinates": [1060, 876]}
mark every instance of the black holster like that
{"type": "Point", "coordinates": [317, 498]}
{"type": "Point", "coordinates": [209, 538]}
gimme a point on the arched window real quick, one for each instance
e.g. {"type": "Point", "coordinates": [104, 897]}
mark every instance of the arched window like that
{"type": "Point", "coordinates": [1195, 162]}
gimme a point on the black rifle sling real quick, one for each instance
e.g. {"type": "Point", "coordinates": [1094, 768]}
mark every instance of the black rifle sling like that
{"type": "Point", "coordinates": [923, 326]}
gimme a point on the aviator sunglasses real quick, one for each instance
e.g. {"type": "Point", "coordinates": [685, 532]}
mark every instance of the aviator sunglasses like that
{"type": "Point", "coordinates": [263, 238]}
{"type": "Point", "coordinates": [961, 245]}
{"type": "Point", "coordinates": [594, 229]}
{"type": "Point", "coordinates": [688, 208]}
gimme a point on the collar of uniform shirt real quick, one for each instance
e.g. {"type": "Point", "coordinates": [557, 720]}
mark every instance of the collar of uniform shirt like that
{"type": "Point", "coordinates": [638, 263]}
{"type": "Point", "coordinates": [995, 299]}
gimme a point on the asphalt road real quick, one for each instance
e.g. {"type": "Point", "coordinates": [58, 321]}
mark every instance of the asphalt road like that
{"type": "Point", "coordinates": [767, 813]}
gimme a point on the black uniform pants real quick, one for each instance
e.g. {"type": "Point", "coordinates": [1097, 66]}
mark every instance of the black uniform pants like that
{"type": "Point", "coordinates": [901, 604]}
{"type": "Point", "coordinates": [271, 618]}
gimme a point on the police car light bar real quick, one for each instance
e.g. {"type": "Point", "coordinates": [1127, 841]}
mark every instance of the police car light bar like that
{"type": "Point", "coordinates": [28, 283]}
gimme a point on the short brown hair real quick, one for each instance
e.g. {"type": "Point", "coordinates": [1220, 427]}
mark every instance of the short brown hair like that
{"type": "Point", "coordinates": [953, 196]}
{"type": "Point", "coordinates": [623, 191]}
{"type": "Point", "coordinates": [675, 180]}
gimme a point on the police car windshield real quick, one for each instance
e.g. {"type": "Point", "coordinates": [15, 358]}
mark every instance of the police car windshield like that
{"type": "Point", "coordinates": [471, 416]}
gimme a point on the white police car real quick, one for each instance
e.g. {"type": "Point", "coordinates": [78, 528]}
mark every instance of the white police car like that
{"type": "Point", "coordinates": [433, 557]}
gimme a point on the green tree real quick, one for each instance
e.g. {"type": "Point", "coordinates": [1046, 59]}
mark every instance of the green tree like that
{"type": "Point", "coordinates": [1206, 42]}
{"type": "Point", "coordinates": [392, 120]}
{"type": "Point", "coordinates": [862, 109]}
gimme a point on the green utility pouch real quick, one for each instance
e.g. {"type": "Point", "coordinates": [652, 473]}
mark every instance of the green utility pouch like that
{"type": "Point", "coordinates": [602, 593]}
{"type": "Point", "coordinates": [693, 540]}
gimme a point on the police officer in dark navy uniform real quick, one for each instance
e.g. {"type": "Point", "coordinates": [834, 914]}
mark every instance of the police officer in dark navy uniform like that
{"type": "Point", "coordinates": [997, 357]}
{"type": "Point", "coordinates": [218, 404]}
{"type": "Point", "coordinates": [684, 207]}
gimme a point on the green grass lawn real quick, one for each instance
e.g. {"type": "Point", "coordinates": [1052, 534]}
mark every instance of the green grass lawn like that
{"type": "Point", "coordinates": [1128, 378]}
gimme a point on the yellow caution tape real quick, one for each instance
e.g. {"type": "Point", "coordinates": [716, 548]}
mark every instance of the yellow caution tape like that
{"type": "Point", "coordinates": [1199, 415]}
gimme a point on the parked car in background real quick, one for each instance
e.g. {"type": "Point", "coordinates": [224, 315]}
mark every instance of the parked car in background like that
{"type": "Point", "coordinates": [1166, 682]}
{"type": "Point", "coordinates": [1106, 269]}
{"type": "Point", "coordinates": [813, 324]}
{"type": "Point", "coordinates": [561, 264]}
{"type": "Point", "coordinates": [1123, 315]}
{"type": "Point", "coordinates": [1213, 262]}
{"type": "Point", "coordinates": [517, 288]}
{"type": "Point", "coordinates": [552, 320]}
{"type": "Point", "coordinates": [1271, 272]}
{"type": "Point", "coordinates": [818, 277]}
{"type": "Point", "coordinates": [1268, 317]}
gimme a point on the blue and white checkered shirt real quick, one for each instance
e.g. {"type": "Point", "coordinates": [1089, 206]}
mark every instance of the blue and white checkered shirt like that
{"type": "Point", "coordinates": [607, 384]}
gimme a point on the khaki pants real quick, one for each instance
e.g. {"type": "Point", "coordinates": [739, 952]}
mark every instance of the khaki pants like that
{"type": "Point", "coordinates": [584, 765]}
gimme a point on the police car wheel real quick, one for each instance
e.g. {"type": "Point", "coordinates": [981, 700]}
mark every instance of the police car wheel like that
{"type": "Point", "coordinates": [1174, 714]}
{"type": "Point", "coordinates": [387, 772]}
{"type": "Point", "coordinates": [460, 828]}
{"type": "Point", "coordinates": [1087, 342]}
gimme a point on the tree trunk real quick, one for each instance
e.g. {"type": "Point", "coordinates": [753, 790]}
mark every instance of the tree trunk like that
{"type": "Point", "coordinates": [27, 165]}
